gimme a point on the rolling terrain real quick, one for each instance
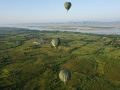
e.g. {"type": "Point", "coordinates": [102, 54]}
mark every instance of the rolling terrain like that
{"type": "Point", "coordinates": [93, 60]}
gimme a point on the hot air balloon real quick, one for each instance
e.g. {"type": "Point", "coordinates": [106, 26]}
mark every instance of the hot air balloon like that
{"type": "Point", "coordinates": [56, 42]}
{"type": "Point", "coordinates": [64, 75]}
{"type": "Point", "coordinates": [67, 5]}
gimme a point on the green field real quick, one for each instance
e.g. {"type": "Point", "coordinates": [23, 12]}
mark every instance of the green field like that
{"type": "Point", "coordinates": [93, 60]}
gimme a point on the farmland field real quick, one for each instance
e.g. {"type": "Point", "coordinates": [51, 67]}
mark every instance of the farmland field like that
{"type": "Point", "coordinates": [93, 60]}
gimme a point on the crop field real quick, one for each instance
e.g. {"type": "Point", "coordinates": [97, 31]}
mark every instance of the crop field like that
{"type": "Point", "coordinates": [93, 60]}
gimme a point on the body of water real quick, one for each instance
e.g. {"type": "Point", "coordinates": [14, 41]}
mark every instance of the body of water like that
{"type": "Point", "coordinates": [77, 30]}
{"type": "Point", "coordinates": [82, 31]}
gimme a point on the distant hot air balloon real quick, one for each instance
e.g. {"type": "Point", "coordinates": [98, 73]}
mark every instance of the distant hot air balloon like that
{"type": "Point", "coordinates": [64, 75]}
{"type": "Point", "coordinates": [67, 5]}
{"type": "Point", "coordinates": [56, 42]}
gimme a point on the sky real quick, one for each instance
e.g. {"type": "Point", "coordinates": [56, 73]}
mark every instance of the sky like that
{"type": "Point", "coordinates": [41, 11]}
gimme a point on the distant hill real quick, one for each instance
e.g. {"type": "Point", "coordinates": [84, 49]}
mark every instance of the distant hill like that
{"type": "Point", "coordinates": [95, 23]}
{"type": "Point", "coordinates": [83, 23]}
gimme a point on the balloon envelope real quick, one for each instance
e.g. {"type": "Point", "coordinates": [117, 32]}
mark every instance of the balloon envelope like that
{"type": "Point", "coordinates": [67, 5]}
{"type": "Point", "coordinates": [56, 42]}
{"type": "Point", "coordinates": [64, 75]}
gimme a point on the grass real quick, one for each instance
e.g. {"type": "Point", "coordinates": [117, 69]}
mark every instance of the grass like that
{"type": "Point", "coordinates": [93, 62]}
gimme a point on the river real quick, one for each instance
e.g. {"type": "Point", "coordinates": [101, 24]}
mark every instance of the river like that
{"type": "Point", "coordinates": [82, 31]}
{"type": "Point", "coordinates": [77, 30]}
